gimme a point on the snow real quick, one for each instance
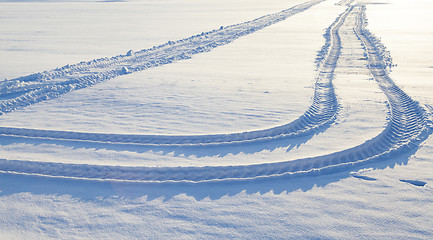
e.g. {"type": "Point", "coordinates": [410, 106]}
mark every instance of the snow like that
{"type": "Point", "coordinates": [387, 199]}
{"type": "Point", "coordinates": [55, 34]}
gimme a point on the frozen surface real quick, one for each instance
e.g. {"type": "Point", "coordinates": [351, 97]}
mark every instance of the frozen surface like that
{"type": "Point", "coordinates": [390, 199]}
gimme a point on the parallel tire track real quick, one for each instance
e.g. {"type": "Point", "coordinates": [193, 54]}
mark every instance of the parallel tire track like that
{"type": "Point", "coordinates": [408, 126]}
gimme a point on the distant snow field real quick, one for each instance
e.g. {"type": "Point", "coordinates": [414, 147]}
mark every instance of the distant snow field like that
{"type": "Point", "coordinates": [216, 119]}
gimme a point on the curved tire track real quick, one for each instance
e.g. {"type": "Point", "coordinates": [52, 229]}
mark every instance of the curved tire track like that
{"type": "Point", "coordinates": [408, 126]}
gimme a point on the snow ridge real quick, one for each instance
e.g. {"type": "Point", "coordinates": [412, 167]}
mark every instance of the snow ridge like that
{"type": "Point", "coordinates": [322, 112]}
{"type": "Point", "coordinates": [407, 127]}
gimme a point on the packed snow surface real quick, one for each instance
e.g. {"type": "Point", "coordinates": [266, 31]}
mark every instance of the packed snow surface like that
{"type": "Point", "coordinates": [260, 128]}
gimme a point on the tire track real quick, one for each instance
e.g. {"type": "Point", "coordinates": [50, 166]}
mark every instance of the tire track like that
{"type": "Point", "coordinates": [408, 126]}
{"type": "Point", "coordinates": [322, 111]}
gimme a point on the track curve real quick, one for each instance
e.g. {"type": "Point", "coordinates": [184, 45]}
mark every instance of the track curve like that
{"type": "Point", "coordinates": [408, 125]}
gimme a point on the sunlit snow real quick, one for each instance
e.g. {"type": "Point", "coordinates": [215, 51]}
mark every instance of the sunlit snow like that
{"type": "Point", "coordinates": [180, 119]}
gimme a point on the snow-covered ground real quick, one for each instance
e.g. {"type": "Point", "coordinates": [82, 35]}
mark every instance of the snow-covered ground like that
{"type": "Point", "coordinates": [249, 84]}
{"type": "Point", "coordinates": [77, 185]}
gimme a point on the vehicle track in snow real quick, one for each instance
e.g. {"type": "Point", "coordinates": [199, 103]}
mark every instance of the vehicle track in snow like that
{"type": "Point", "coordinates": [322, 111]}
{"type": "Point", "coordinates": [408, 125]}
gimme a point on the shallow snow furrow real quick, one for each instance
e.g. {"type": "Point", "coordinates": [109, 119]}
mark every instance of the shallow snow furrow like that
{"type": "Point", "coordinates": [322, 111]}
{"type": "Point", "coordinates": [408, 126]}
